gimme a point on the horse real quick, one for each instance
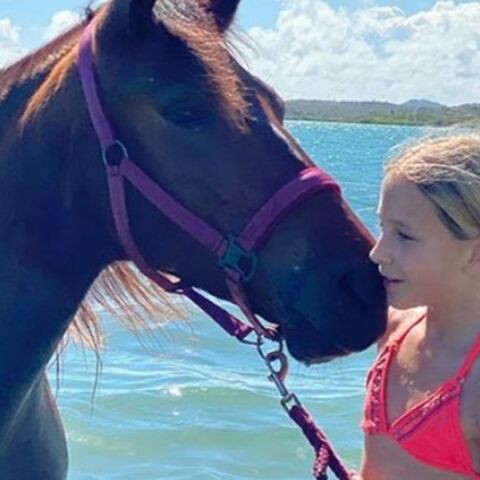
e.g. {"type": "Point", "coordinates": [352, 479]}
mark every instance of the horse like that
{"type": "Point", "coordinates": [196, 122]}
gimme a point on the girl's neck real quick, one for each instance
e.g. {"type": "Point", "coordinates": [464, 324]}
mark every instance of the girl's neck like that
{"type": "Point", "coordinates": [454, 326]}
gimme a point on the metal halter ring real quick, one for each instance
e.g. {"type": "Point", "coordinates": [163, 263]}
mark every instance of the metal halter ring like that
{"type": "Point", "coordinates": [114, 154]}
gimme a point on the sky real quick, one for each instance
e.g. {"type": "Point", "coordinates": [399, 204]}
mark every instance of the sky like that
{"type": "Point", "coordinates": [382, 50]}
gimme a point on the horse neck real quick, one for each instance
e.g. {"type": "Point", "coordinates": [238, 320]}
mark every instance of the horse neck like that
{"type": "Point", "coordinates": [46, 180]}
{"type": "Point", "coordinates": [48, 247]}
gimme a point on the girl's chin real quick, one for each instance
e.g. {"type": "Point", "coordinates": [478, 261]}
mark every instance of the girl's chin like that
{"type": "Point", "coordinates": [401, 303]}
{"type": "Point", "coordinates": [398, 297]}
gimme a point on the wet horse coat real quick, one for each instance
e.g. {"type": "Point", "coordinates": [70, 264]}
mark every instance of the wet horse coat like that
{"type": "Point", "coordinates": [209, 133]}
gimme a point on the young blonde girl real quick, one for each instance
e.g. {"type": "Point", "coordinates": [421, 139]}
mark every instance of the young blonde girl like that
{"type": "Point", "coordinates": [422, 410]}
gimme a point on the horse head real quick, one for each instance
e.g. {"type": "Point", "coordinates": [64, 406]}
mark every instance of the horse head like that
{"type": "Point", "coordinates": [212, 135]}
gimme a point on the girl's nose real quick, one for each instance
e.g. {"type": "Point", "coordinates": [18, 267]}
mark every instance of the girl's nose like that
{"type": "Point", "coordinates": [373, 254]}
{"type": "Point", "coordinates": [379, 254]}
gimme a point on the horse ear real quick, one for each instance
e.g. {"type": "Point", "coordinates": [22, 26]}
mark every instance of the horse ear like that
{"type": "Point", "coordinates": [223, 12]}
{"type": "Point", "coordinates": [135, 17]}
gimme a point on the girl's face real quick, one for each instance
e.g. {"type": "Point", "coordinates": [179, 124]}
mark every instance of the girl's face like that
{"type": "Point", "coordinates": [421, 261]}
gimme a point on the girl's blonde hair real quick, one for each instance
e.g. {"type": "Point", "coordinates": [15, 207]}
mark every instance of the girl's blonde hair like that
{"type": "Point", "coordinates": [447, 171]}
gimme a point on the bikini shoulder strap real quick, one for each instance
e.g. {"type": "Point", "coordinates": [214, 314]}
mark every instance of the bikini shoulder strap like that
{"type": "Point", "coordinates": [469, 360]}
{"type": "Point", "coordinates": [398, 339]}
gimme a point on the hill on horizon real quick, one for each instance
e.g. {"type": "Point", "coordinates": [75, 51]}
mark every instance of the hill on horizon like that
{"type": "Point", "coordinates": [412, 112]}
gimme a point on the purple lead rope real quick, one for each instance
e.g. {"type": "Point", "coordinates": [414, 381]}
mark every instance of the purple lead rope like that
{"type": "Point", "coordinates": [325, 453]}
{"type": "Point", "coordinates": [326, 456]}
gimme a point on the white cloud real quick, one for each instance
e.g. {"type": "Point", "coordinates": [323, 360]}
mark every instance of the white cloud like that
{"type": "Point", "coordinates": [60, 22]}
{"type": "Point", "coordinates": [315, 51]}
{"type": "Point", "coordinates": [10, 45]}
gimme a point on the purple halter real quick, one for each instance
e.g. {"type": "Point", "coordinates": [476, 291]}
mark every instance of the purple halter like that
{"type": "Point", "coordinates": [230, 250]}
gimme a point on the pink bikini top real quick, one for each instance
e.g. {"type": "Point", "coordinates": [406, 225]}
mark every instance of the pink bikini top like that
{"type": "Point", "coordinates": [431, 430]}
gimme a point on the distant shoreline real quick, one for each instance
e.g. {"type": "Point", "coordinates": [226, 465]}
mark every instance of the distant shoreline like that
{"type": "Point", "coordinates": [412, 113]}
{"type": "Point", "coordinates": [388, 122]}
{"type": "Point", "coordinates": [364, 122]}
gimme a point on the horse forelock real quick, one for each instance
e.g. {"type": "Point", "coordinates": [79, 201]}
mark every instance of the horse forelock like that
{"type": "Point", "coordinates": [190, 21]}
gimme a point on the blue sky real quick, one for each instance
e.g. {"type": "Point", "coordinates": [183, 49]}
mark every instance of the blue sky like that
{"type": "Point", "coordinates": [264, 12]}
{"type": "Point", "coordinates": [252, 12]}
{"type": "Point", "coordinates": [34, 15]}
{"type": "Point", "coordinates": [391, 50]}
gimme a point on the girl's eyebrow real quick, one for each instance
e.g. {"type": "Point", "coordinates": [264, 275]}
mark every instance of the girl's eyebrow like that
{"type": "Point", "coordinates": [402, 225]}
{"type": "Point", "coordinates": [397, 223]}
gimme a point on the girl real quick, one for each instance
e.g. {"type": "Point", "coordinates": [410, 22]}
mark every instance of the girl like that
{"type": "Point", "coordinates": [422, 411]}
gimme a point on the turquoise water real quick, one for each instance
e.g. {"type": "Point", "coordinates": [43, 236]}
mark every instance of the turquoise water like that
{"type": "Point", "coordinates": [201, 407]}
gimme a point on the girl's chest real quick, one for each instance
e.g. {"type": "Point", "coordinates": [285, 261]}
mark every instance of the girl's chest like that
{"type": "Point", "coordinates": [410, 387]}
{"type": "Point", "coordinates": [418, 380]}
{"type": "Point", "coordinates": [414, 375]}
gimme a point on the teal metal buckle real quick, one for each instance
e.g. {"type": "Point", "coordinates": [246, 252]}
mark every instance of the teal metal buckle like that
{"type": "Point", "coordinates": [238, 259]}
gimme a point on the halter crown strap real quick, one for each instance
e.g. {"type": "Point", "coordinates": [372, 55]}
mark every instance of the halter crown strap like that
{"type": "Point", "coordinates": [87, 74]}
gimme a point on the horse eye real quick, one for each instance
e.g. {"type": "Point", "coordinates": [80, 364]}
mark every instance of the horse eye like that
{"type": "Point", "coordinates": [186, 118]}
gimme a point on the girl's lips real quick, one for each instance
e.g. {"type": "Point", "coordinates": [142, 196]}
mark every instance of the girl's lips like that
{"type": "Point", "coordinates": [391, 281]}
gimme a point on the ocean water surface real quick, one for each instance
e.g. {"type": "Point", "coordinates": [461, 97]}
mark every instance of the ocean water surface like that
{"type": "Point", "coordinates": [200, 406]}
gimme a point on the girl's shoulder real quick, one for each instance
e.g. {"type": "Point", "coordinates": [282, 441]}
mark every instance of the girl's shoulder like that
{"type": "Point", "coordinates": [398, 321]}
{"type": "Point", "coordinates": [471, 406]}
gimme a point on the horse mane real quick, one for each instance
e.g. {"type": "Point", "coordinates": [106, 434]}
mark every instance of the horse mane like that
{"type": "Point", "coordinates": [32, 69]}
{"type": "Point", "coordinates": [120, 289]}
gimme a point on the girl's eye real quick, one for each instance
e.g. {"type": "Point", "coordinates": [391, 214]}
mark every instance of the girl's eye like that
{"type": "Point", "coordinates": [404, 236]}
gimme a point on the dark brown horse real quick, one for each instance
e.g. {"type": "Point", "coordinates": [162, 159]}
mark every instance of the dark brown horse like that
{"type": "Point", "coordinates": [207, 131]}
